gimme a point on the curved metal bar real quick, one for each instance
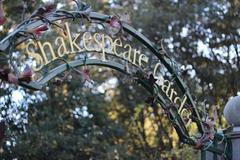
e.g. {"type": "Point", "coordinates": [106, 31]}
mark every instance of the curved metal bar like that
{"type": "Point", "coordinates": [37, 85]}
{"type": "Point", "coordinates": [152, 47]}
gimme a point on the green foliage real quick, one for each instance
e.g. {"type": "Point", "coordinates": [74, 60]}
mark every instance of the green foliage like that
{"type": "Point", "coordinates": [119, 125]}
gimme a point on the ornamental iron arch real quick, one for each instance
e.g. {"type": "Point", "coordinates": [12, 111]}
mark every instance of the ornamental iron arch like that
{"type": "Point", "coordinates": [160, 93]}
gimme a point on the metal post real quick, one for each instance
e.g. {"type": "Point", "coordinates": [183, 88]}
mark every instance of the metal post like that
{"type": "Point", "coordinates": [234, 136]}
{"type": "Point", "coordinates": [232, 115]}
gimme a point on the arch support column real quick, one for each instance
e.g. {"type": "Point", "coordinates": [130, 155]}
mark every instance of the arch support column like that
{"type": "Point", "coordinates": [232, 115]}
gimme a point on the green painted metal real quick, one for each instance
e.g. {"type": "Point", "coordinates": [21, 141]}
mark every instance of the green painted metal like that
{"type": "Point", "coordinates": [203, 155]}
{"type": "Point", "coordinates": [117, 66]}
{"type": "Point", "coordinates": [177, 121]}
{"type": "Point", "coordinates": [37, 85]}
{"type": "Point", "coordinates": [131, 31]}
{"type": "Point", "coordinates": [5, 43]}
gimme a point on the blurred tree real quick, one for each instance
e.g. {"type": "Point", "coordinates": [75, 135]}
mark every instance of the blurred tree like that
{"type": "Point", "coordinates": [73, 121]}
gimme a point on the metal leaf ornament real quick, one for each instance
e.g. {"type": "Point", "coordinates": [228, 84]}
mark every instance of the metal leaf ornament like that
{"type": "Point", "coordinates": [209, 133]}
{"type": "Point", "coordinates": [151, 79]}
{"type": "Point", "coordinates": [2, 14]}
{"type": "Point", "coordinates": [12, 78]}
{"type": "Point", "coordinates": [115, 25]}
{"type": "Point", "coordinates": [39, 30]}
{"type": "Point", "coordinates": [85, 75]}
{"type": "Point", "coordinates": [7, 76]}
{"type": "Point", "coordinates": [115, 22]}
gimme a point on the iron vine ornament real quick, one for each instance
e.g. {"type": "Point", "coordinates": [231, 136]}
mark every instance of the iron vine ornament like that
{"type": "Point", "coordinates": [168, 92]}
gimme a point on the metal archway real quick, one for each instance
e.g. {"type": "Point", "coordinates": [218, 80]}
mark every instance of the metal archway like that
{"type": "Point", "coordinates": [177, 121]}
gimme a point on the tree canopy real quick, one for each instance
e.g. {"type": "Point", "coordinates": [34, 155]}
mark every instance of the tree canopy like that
{"type": "Point", "coordinates": [110, 119]}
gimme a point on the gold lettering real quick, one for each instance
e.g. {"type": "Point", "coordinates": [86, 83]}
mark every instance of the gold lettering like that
{"type": "Point", "coordinates": [42, 47]}
{"type": "Point", "coordinates": [172, 93]}
{"type": "Point", "coordinates": [101, 43]}
{"type": "Point", "coordinates": [182, 104]}
{"type": "Point", "coordinates": [127, 54]}
{"type": "Point", "coordinates": [135, 53]}
{"type": "Point", "coordinates": [142, 58]}
{"type": "Point", "coordinates": [73, 43]}
{"type": "Point", "coordinates": [106, 37]}
{"type": "Point", "coordinates": [95, 36]}
{"type": "Point", "coordinates": [155, 70]}
{"type": "Point", "coordinates": [103, 48]}
{"type": "Point", "coordinates": [35, 56]}
{"type": "Point", "coordinates": [69, 37]}
{"type": "Point", "coordinates": [187, 115]}
{"type": "Point", "coordinates": [176, 99]}
{"type": "Point", "coordinates": [62, 49]}
{"type": "Point", "coordinates": [117, 43]}
{"type": "Point", "coordinates": [86, 38]}
{"type": "Point", "coordinates": [166, 88]}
